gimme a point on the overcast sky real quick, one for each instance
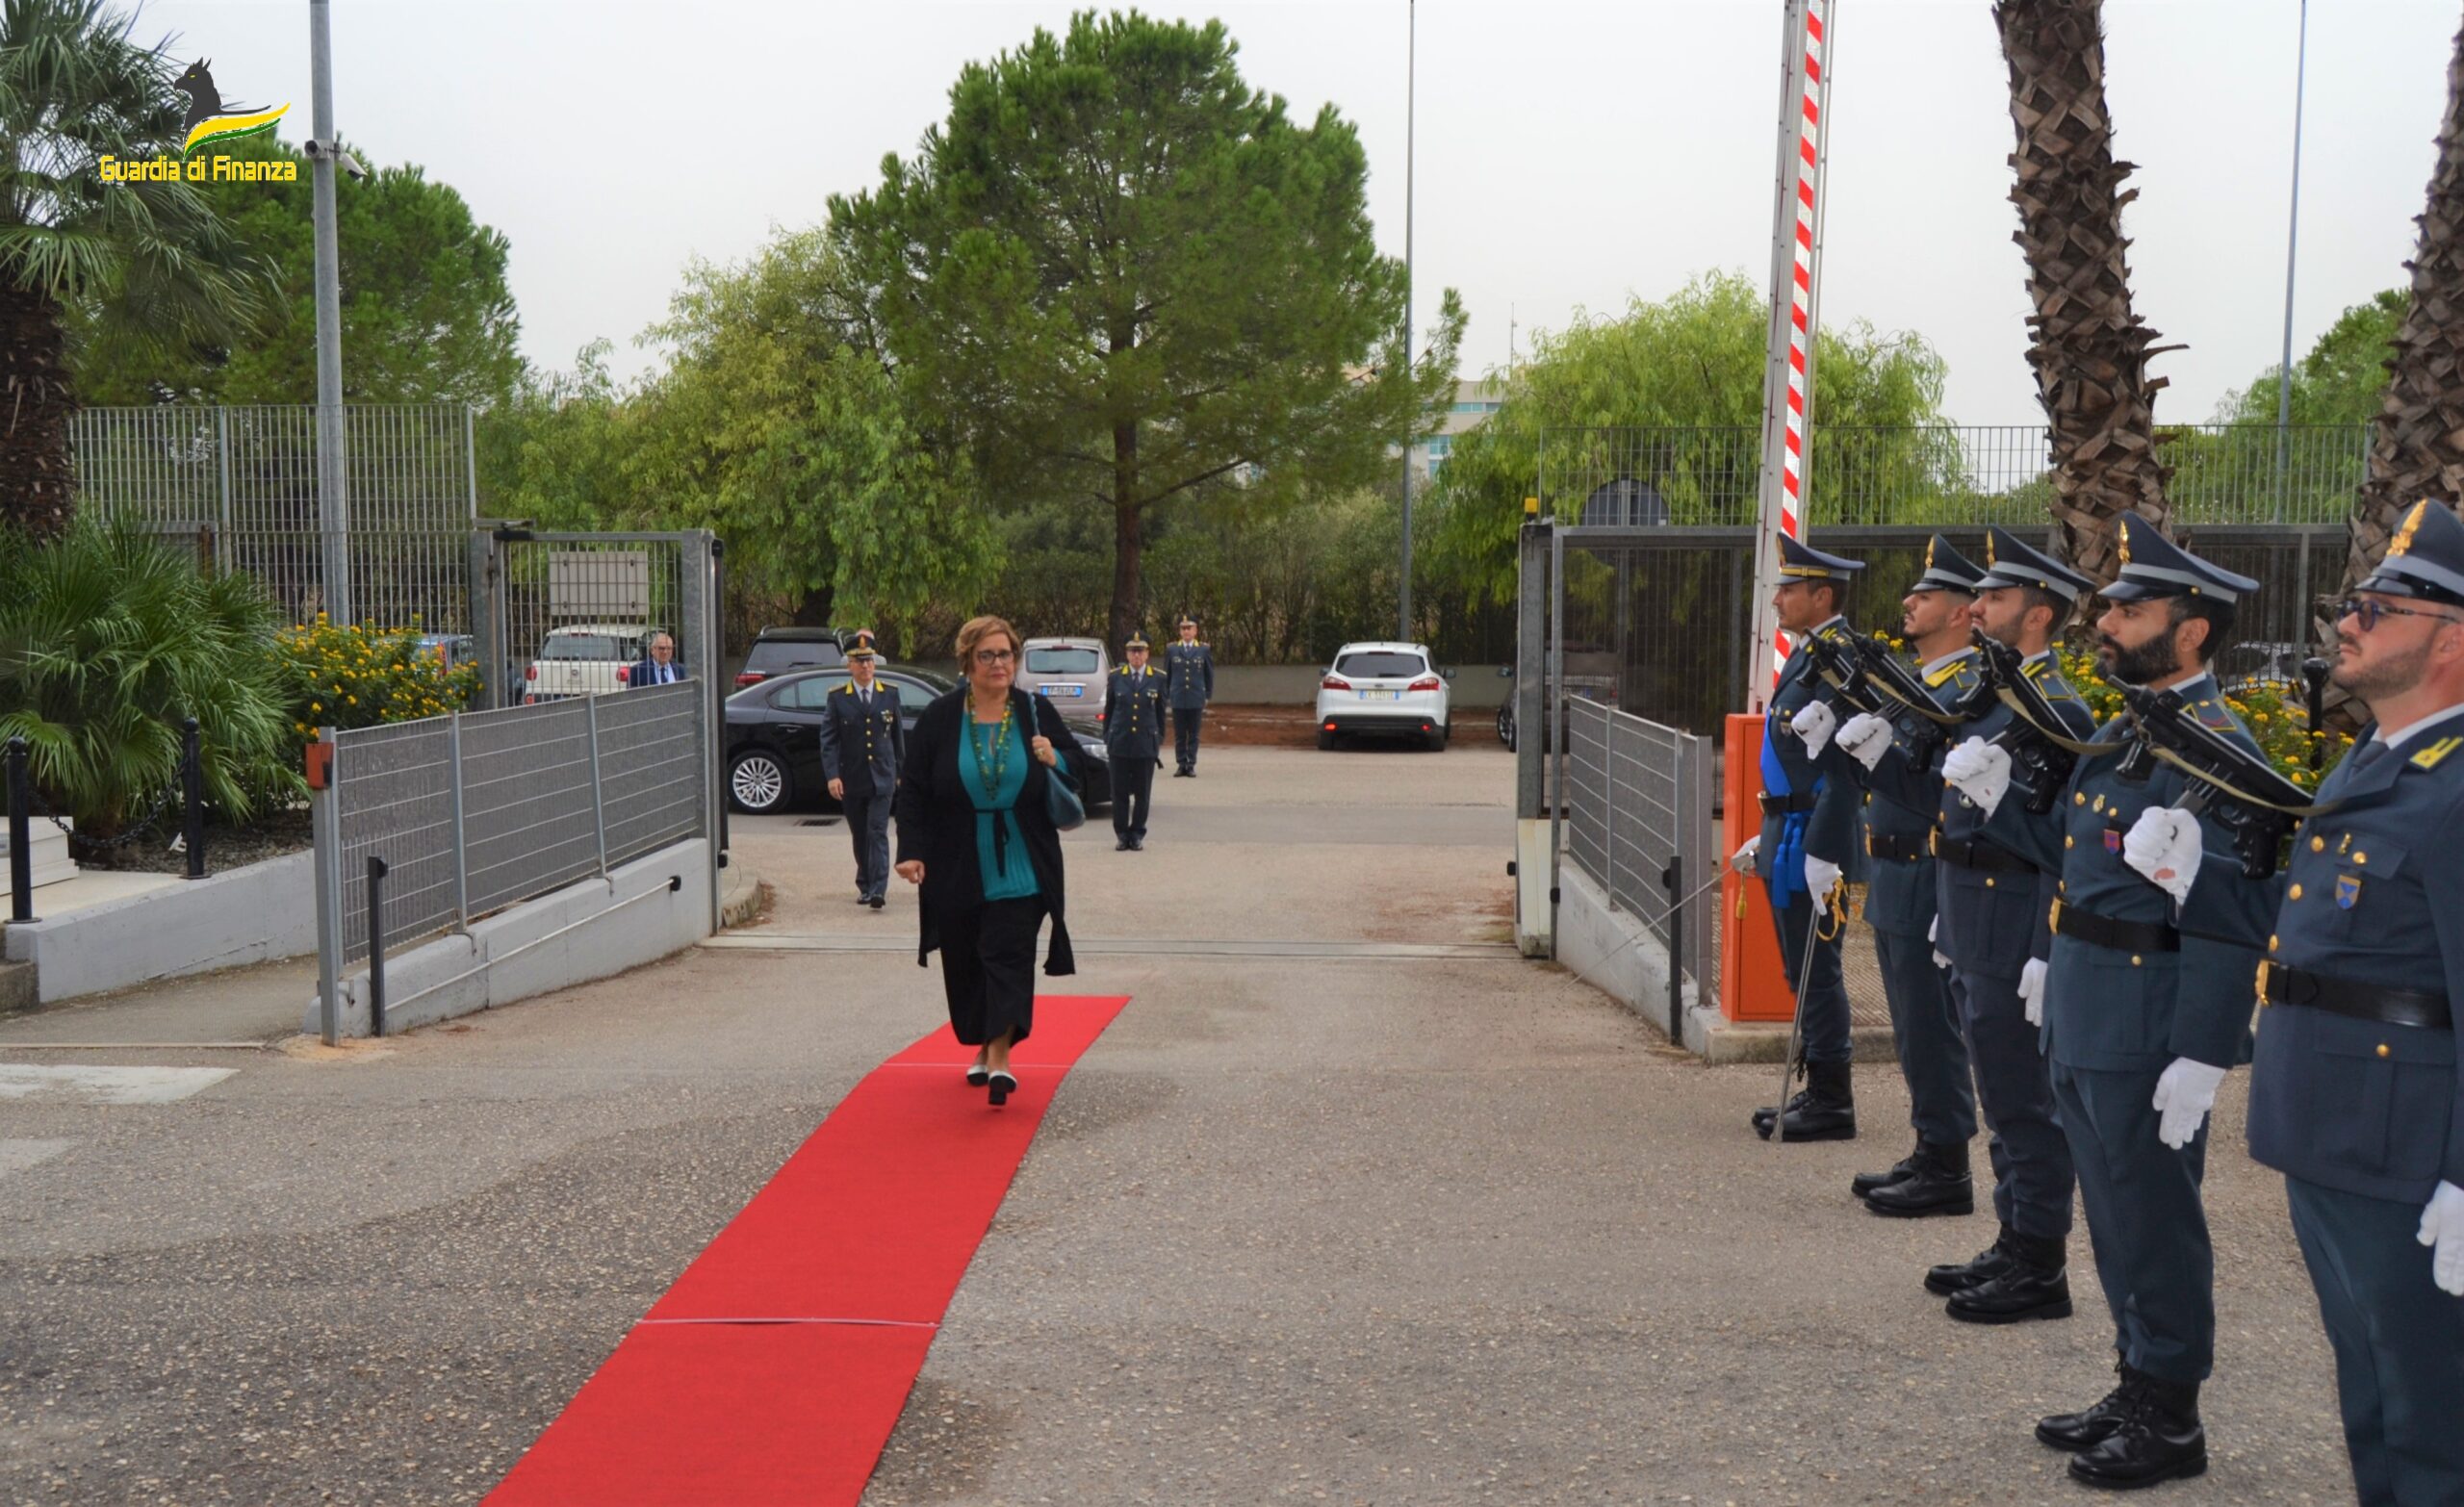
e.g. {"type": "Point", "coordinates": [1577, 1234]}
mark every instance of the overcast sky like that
{"type": "Point", "coordinates": [1569, 156]}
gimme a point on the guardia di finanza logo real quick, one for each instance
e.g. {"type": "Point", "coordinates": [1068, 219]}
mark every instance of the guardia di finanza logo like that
{"type": "Point", "coordinates": [210, 123]}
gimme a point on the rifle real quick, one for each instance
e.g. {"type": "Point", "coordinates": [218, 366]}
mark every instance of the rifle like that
{"type": "Point", "coordinates": [1868, 677]}
{"type": "Point", "coordinates": [2041, 753]}
{"type": "Point", "coordinates": [2259, 807]}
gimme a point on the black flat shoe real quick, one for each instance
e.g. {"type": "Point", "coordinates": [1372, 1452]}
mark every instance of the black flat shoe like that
{"type": "Point", "coordinates": [877, 902]}
{"type": "Point", "coordinates": [1122, 845]}
{"type": "Point", "coordinates": [975, 1073]}
{"type": "Point", "coordinates": [1002, 1085]}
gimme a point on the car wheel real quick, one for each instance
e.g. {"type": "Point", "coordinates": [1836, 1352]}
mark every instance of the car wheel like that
{"type": "Point", "coordinates": [1436, 741]}
{"type": "Point", "coordinates": [1505, 726]}
{"type": "Point", "coordinates": [1325, 740]}
{"type": "Point", "coordinates": [759, 784]}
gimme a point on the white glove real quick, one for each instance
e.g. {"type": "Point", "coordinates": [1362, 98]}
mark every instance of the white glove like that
{"type": "Point", "coordinates": [1820, 875]}
{"type": "Point", "coordinates": [2032, 990]}
{"type": "Point", "coordinates": [1815, 725]}
{"type": "Point", "coordinates": [1980, 772]}
{"type": "Point", "coordinates": [2164, 846]}
{"type": "Point", "coordinates": [2184, 1094]}
{"type": "Point", "coordinates": [1864, 737]}
{"type": "Point", "coordinates": [1939, 962]}
{"type": "Point", "coordinates": [2443, 1232]}
{"type": "Point", "coordinates": [1742, 860]}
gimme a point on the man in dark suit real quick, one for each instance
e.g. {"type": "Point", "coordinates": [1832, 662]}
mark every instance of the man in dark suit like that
{"type": "Point", "coordinates": [861, 743]}
{"type": "Point", "coordinates": [659, 667]}
{"type": "Point", "coordinates": [1133, 733]}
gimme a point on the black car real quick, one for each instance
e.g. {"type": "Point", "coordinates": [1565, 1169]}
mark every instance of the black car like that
{"type": "Point", "coordinates": [774, 737]}
{"type": "Point", "coordinates": [776, 650]}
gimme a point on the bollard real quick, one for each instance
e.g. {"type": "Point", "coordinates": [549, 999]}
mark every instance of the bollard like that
{"type": "Point", "coordinates": [377, 872]}
{"type": "Point", "coordinates": [2314, 676]}
{"type": "Point", "coordinates": [21, 857]}
{"type": "Point", "coordinates": [193, 798]}
{"type": "Point", "coordinates": [1673, 880]}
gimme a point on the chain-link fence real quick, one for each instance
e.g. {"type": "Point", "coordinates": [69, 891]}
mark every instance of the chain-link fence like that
{"type": "Point", "coordinates": [241, 482]}
{"type": "Point", "coordinates": [1639, 820]}
{"type": "Point", "coordinates": [1936, 474]}
{"type": "Point", "coordinates": [480, 811]}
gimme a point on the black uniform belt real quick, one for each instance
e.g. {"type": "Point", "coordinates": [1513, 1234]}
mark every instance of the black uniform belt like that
{"type": "Point", "coordinates": [2122, 936]}
{"type": "Point", "coordinates": [2279, 984]}
{"type": "Point", "coordinates": [1775, 804]}
{"type": "Point", "coordinates": [1907, 849]}
{"type": "Point", "coordinates": [1982, 855]}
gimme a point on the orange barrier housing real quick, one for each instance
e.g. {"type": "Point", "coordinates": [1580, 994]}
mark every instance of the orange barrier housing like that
{"type": "Point", "coordinates": [1752, 984]}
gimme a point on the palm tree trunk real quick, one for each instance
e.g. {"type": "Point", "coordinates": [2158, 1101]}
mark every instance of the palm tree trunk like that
{"type": "Point", "coordinates": [2090, 351]}
{"type": "Point", "coordinates": [38, 481]}
{"type": "Point", "coordinates": [2417, 440]}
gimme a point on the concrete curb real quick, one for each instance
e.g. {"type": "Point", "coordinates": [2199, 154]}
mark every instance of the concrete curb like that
{"type": "Point", "coordinates": [742, 895]}
{"type": "Point", "coordinates": [247, 915]}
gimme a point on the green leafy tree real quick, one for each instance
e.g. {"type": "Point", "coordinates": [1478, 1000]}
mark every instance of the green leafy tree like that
{"type": "Point", "coordinates": [428, 316]}
{"type": "Point", "coordinates": [157, 258]}
{"type": "Point", "coordinates": [2343, 378]}
{"type": "Point", "coordinates": [1670, 396]}
{"type": "Point", "coordinates": [1119, 274]}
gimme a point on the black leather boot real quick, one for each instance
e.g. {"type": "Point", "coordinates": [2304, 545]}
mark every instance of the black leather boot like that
{"type": "Point", "coordinates": [1864, 1184]}
{"type": "Point", "coordinates": [1984, 1267]}
{"type": "Point", "coordinates": [2074, 1432]}
{"type": "Point", "coordinates": [2035, 1286]}
{"type": "Point", "coordinates": [2159, 1439]}
{"type": "Point", "coordinates": [1765, 1117]}
{"type": "Point", "coordinates": [1939, 1184]}
{"type": "Point", "coordinates": [1827, 1110]}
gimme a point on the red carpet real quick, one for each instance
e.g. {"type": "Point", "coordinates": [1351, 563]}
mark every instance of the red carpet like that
{"type": "Point", "coordinates": [775, 1368]}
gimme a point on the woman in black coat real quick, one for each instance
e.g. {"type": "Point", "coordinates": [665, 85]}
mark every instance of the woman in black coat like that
{"type": "Point", "coordinates": [975, 831]}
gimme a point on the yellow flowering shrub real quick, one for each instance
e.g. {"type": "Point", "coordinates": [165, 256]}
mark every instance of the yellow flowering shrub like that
{"type": "Point", "coordinates": [2276, 714]}
{"type": "Point", "coordinates": [340, 676]}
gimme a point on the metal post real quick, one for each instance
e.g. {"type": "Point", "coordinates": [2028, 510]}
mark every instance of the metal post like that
{"type": "Point", "coordinates": [598, 790]}
{"type": "Point", "coordinates": [193, 796]}
{"type": "Point", "coordinates": [461, 848]}
{"type": "Point", "coordinates": [223, 563]}
{"type": "Point", "coordinates": [1672, 879]}
{"type": "Point", "coordinates": [1554, 718]}
{"type": "Point", "coordinates": [21, 857]}
{"type": "Point", "coordinates": [2291, 238]}
{"type": "Point", "coordinates": [1411, 73]}
{"type": "Point", "coordinates": [325, 821]}
{"type": "Point", "coordinates": [377, 872]}
{"type": "Point", "coordinates": [333, 510]}
{"type": "Point", "coordinates": [2314, 682]}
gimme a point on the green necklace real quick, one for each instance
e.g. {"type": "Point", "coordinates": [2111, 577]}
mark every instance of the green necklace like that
{"type": "Point", "coordinates": [991, 778]}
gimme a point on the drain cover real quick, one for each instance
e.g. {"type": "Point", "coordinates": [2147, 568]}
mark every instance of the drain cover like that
{"type": "Point", "coordinates": [818, 820]}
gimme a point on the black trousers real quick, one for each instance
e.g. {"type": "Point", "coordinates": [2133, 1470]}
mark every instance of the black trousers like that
{"type": "Point", "coordinates": [1185, 721]}
{"type": "Point", "coordinates": [868, 829]}
{"type": "Point", "coordinates": [1133, 791]}
{"type": "Point", "coordinates": [989, 969]}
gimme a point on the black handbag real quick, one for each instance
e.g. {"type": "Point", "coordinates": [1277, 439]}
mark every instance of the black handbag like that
{"type": "Point", "coordinates": [1060, 800]}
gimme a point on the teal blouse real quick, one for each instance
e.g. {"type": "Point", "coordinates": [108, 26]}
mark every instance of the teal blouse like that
{"type": "Point", "coordinates": [1018, 879]}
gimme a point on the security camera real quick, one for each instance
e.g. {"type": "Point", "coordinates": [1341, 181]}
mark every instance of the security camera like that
{"type": "Point", "coordinates": [319, 151]}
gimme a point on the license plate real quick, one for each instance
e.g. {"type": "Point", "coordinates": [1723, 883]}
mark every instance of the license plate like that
{"type": "Point", "coordinates": [1056, 688]}
{"type": "Point", "coordinates": [1381, 696]}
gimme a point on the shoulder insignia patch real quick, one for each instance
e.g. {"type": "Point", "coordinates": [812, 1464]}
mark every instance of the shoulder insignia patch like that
{"type": "Point", "coordinates": [1946, 675]}
{"type": "Point", "coordinates": [2035, 669]}
{"type": "Point", "coordinates": [2430, 757]}
{"type": "Point", "coordinates": [2214, 717]}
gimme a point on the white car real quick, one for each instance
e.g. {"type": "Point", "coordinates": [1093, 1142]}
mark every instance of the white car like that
{"type": "Point", "coordinates": [584, 659]}
{"type": "Point", "coordinates": [1067, 672]}
{"type": "Point", "coordinates": [1382, 688]}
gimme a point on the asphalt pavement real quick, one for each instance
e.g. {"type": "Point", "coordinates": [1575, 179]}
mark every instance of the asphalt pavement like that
{"type": "Point", "coordinates": [1351, 1205]}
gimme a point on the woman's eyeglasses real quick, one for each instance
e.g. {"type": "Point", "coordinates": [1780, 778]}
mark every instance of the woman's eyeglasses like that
{"type": "Point", "coordinates": [995, 656]}
{"type": "Point", "coordinates": [2366, 613]}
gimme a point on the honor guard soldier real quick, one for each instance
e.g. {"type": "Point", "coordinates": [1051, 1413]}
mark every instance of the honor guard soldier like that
{"type": "Point", "coordinates": [1933, 1178]}
{"type": "Point", "coordinates": [1189, 667]}
{"type": "Point", "coordinates": [1992, 907]}
{"type": "Point", "coordinates": [1809, 833]}
{"type": "Point", "coordinates": [1134, 736]}
{"type": "Point", "coordinates": [2140, 1019]}
{"type": "Point", "coordinates": [2354, 1095]}
{"type": "Point", "coordinates": [861, 742]}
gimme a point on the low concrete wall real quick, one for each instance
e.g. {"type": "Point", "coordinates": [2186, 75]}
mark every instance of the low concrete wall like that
{"type": "Point", "coordinates": [1618, 956]}
{"type": "Point", "coordinates": [264, 911]}
{"type": "Point", "coordinates": [641, 912]}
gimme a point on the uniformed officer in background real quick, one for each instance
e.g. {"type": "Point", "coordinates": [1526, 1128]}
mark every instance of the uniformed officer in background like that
{"type": "Point", "coordinates": [1808, 832]}
{"type": "Point", "coordinates": [1933, 1178]}
{"type": "Point", "coordinates": [1189, 667]}
{"type": "Point", "coordinates": [861, 743]}
{"type": "Point", "coordinates": [2141, 1020]}
{"type": "Point", "coordinates": [1994, 904]}
{"type": "Point", "coordinates": [2354, 1094]}
{"type": "Point", "coordinates": [1134, 735]}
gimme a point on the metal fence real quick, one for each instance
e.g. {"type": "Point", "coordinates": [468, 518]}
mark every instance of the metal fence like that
{"type": "Point", "coordinates": [476, 811]}
{"type": "Point", "coordinates": [567, 614]}
{"type": "Point", "coordinates": [1936, 474]}
{"type": "Point", "coordinates": [241, 483]}
{"type": "Point", "coordinates": [1638, 819]}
